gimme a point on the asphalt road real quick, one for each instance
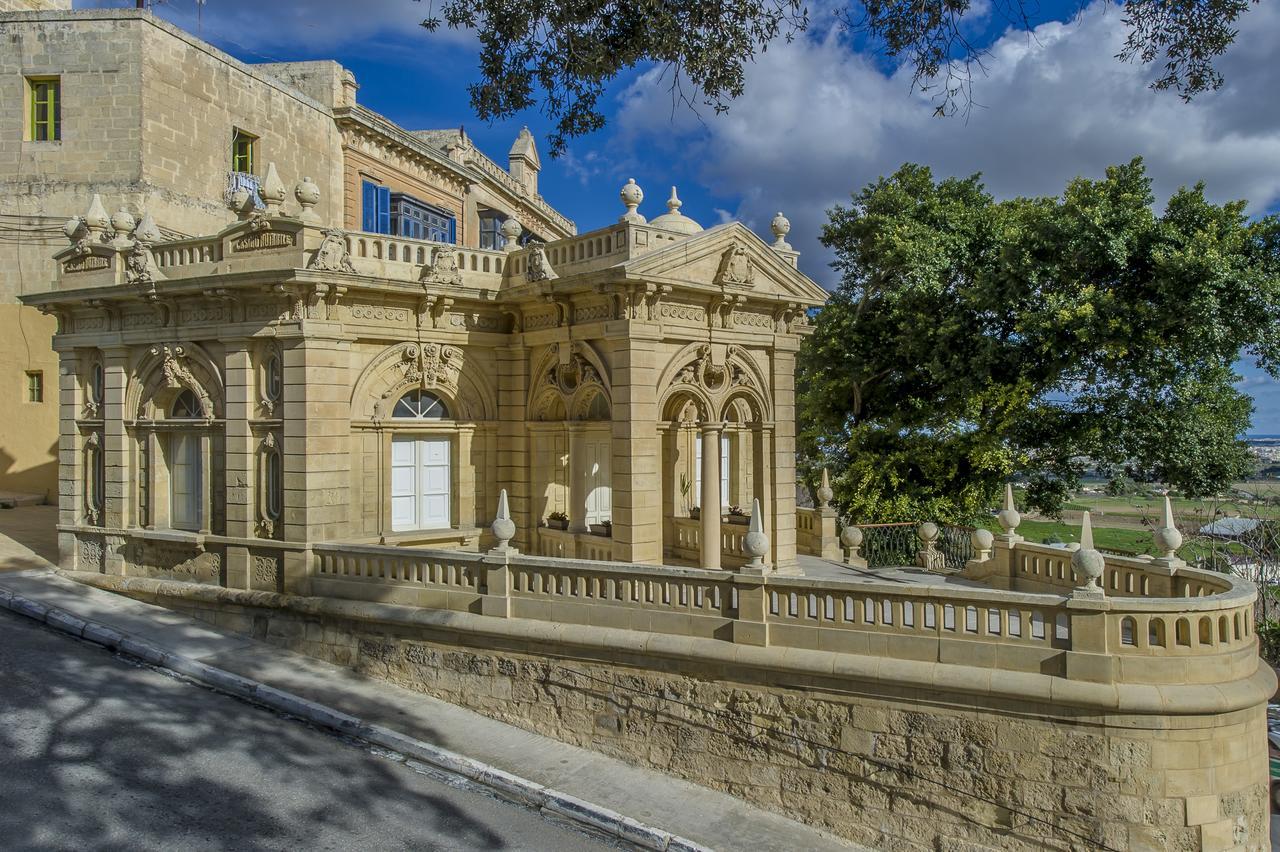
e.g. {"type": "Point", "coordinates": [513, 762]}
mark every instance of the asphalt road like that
{"type": "Point", "coordinates": [98, 753]}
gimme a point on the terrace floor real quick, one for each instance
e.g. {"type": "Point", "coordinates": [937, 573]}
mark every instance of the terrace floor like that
{"type": "Point", "coordinates": [826, 569]}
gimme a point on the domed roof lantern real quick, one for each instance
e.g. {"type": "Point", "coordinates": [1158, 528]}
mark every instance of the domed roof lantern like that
{"type": "Point", "coordinates": [674, 220]}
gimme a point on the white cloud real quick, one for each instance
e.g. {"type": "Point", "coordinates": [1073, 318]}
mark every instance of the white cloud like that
{"type": "Point", "coordinates": [818, 121]}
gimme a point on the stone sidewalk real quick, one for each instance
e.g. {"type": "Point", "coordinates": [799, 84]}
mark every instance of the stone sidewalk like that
{"type": "Point", "coordinates": [644, 807]}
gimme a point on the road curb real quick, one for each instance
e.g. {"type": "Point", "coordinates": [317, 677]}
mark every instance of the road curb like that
{"type": "Point", "coordinates": [514, 788]}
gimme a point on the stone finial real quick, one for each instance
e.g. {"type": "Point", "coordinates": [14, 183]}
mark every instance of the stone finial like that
{"type": "Point", "coordinates": [982, 541]}
{"type": "Point", "coordinates": [824, 492]}
{"type": "Point", "coordinates": [755, 542]}
{"type": "Point", "coordinates": [511, 230]}
{"type": "Point", "coordinates": [1167, 538]}
{"type": "Point", "coordinates": [929, 557]}
{"type": "Point", "coordinates": [503, 528]}
{"type": "Point", "coordinates": [851, 537]}
{"type": "Point", "coordinates": [631, 196]}
{"type": "Point", "coordinates": [272, 190]}
{"type": "Point", "coordinates": [781, 226]}
{"type": "Point", "coordinates": [1008, 516]}
{"type": "Point", "coordinates": [74, 229]}
{"type": "Point", "coordinates": [123, 223]}
{"type": "Point", "coordinates": [147, 231]}
{"type": "Point", "coordinates": [1088, 562]}
{"type": "Point", "coordinates": [96, 219]}
{"type": "Point", "coordinates": [307, 194]}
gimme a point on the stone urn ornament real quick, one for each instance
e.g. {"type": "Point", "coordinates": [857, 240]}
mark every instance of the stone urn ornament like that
{"type": "Point", "coordinates": [755, 542]}
{"type": "Point", "coordinates": [1087, 562]}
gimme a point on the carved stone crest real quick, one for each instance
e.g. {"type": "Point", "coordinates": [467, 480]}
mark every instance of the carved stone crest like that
{"type": "Point", "coordinates": [736, 268]}
{"type": "Point", "coordinates": [539, 268]}
{"type": "Point", "coordinates": [332, 256]}
{"type": "Point", "coordinates": [178, 375]}
{"type": "Point", "coordinates": [443, 269]}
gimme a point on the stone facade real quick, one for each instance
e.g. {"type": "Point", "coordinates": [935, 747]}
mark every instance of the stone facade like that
{"type": "Point", "coordinates": [148, 112]}
{"type": "Point", "coordinates": [601, 376]}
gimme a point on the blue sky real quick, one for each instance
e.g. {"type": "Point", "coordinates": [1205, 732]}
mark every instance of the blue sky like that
{"type": "Point", "coordinates": [820, 117]}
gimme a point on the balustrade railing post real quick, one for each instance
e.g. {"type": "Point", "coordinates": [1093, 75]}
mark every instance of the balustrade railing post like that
{"type": "Point", "coordinates": [750, 624]}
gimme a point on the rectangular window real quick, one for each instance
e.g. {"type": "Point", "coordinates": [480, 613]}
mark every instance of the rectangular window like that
{"type": "Point", "coordinates": [420, 484]}
{"type": "Point", "coordinates": [375, 208]}
{"type": "Point", "coordinates": [185, 481]}
{"type": "Point", "coordinates": [599, 484]}
{"type": "Point", "coordinates": [417, 220]}
{"type": "Point", "coordinates": [242, 151]}
{"type": "Point", "coordinates": [491, 231]}
{"type": "Point", "coordinates": [46, 108]}
{"type": "Point", "coordinates": [35, 386]}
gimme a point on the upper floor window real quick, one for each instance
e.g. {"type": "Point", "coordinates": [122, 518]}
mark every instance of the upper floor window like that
{"type": "Point", "coordinates": [401, 214]}
{"type": "Point", "coordinates": [242, 151]}
{"type": "Point", "coordinates": [491, 230]}
{"type": "Point", "coordinates": [45, 95]}
{"type": "Point", "coordinates": [375, 214]}
{"type": "Point", "coordinates": [35, 386]}
{"type": "Point", "coordinates": [420, 221]}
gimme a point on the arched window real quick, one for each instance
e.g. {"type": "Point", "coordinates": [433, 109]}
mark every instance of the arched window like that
{"type": "Point", "coordinates": [420, 405]}
{"type": "Point", "coordinates": [598, 409]}
{"type": "Point", "coordinates": [1127, 626]}
{"type": "Point", "coordinates": [97, 383]}
{"type": "Point", "coordinates": [186, 407]}
{"type": "Point", "coordinates": [272, 381]}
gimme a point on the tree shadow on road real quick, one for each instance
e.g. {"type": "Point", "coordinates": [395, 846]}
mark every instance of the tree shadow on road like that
{"type": "Point", "coordinates": [96, 752]}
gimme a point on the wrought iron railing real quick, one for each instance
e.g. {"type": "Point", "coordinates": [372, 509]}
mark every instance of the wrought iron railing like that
{"type": "Point", "coordinates": [894, 545]}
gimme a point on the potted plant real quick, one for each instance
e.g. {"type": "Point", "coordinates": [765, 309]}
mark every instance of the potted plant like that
{"type": "Point", "coordinates": [558, 521]}
{"type": "Point", "coordinates": [738, 515]}
{"type": "Point", "coordinates": [685, 485]}
{"type": "Point", "coordinates": [695, 512]}
{"type": "Point", "coordinates": [604, 528]}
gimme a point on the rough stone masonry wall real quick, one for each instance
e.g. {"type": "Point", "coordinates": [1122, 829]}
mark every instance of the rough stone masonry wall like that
{"type": "Point", "coordinates": [835, 755]}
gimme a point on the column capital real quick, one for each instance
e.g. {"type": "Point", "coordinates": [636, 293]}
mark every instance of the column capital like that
{"type": "Point", "coordinates": [708, 426]}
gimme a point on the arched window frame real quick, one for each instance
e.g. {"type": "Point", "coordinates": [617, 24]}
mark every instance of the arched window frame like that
{"type": "Point", "coordinates": [186, 406]}
{"type": "Point", "coordinates": [95, 480]}
{"type": "Point", "coordinates": [271, 380]}
{"type": "Point", "coordinates": [270, 500]}
{"type": "Point", "coordinates": [419, 404]}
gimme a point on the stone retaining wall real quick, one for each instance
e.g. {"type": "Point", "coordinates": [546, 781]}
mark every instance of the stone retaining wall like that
{"type": "Point", "coordinates": [889, 767]}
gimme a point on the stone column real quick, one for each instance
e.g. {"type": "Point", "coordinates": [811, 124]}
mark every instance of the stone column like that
{"type": "Point", "coordinates": [784, 453]}
{"type": "Point", "coordinates": [513, 441]}
{"type": "Point", "coordinates": [710, 537]}
{"type": "Point", "coordinates": [70, 461]}
{"type": "Point", "coordinates": [317, 459]}
{"type": "Point", "coordinates": [637, 451]}
{"type": "Point", "coordinates": [115, 453]}
{"type": "Point", "coordinates": [241, 513]}
{"type": "Point", "coordinates": [466, 492]}
{"type": "Point", "coordinates": [206, 482]}
{"type": "Point", "coordinates": [577, 496]}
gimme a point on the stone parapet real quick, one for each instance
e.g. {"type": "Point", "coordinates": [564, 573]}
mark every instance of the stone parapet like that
{"type": "Point", "coordinates": [1009, 760]}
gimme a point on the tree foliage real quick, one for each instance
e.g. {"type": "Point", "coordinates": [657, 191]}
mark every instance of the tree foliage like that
{"type": "Point", "coordinates": [567, 52]}
{"type": "Point", "coordinates": [972, 340]}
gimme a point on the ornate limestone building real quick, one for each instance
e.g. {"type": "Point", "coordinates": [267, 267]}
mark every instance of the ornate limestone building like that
{"type": "Point", "coordinates": [119, 103]}
{"type": "Point", "coordinates": [280, 384]}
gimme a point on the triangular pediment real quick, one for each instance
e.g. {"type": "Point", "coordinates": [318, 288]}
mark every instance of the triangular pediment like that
{"type": "Point", "coordinates": [728, 256]}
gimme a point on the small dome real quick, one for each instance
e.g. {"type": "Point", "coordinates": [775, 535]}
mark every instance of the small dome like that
{"type": "Point", "coordinates": [674, 220]}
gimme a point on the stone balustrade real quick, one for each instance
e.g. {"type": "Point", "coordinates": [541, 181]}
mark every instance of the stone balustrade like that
{"type": "Point", "coordinates": [688, 541]}
{"type": "Point", "coordinates": [562, 544]}
{"type": "Point", "coordinates": [1153, 637]}
{"type": "Point", "coordinates": [179, 253]}
{"type": "Point", "coordinates": [401, 258]}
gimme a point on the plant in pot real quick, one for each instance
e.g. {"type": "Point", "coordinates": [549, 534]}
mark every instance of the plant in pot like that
{"type": "Point", "coordinates": [738, 515]}
{"type": "Point", "coordinates": [558, 521]}
{"type": "Point", "coordinates": [604, 528]}
{"type": "Point", "coordinates": [685, 485]}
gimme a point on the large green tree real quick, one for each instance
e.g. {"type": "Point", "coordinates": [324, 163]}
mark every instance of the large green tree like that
{"type": "Point", "coordinates": [971, 340]}
{"type": "Point", "coordinates": [566, 51]}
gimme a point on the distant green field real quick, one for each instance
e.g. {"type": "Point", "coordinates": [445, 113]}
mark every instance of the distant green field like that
{"type": "Point", "coordinates": [1104, 538]}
